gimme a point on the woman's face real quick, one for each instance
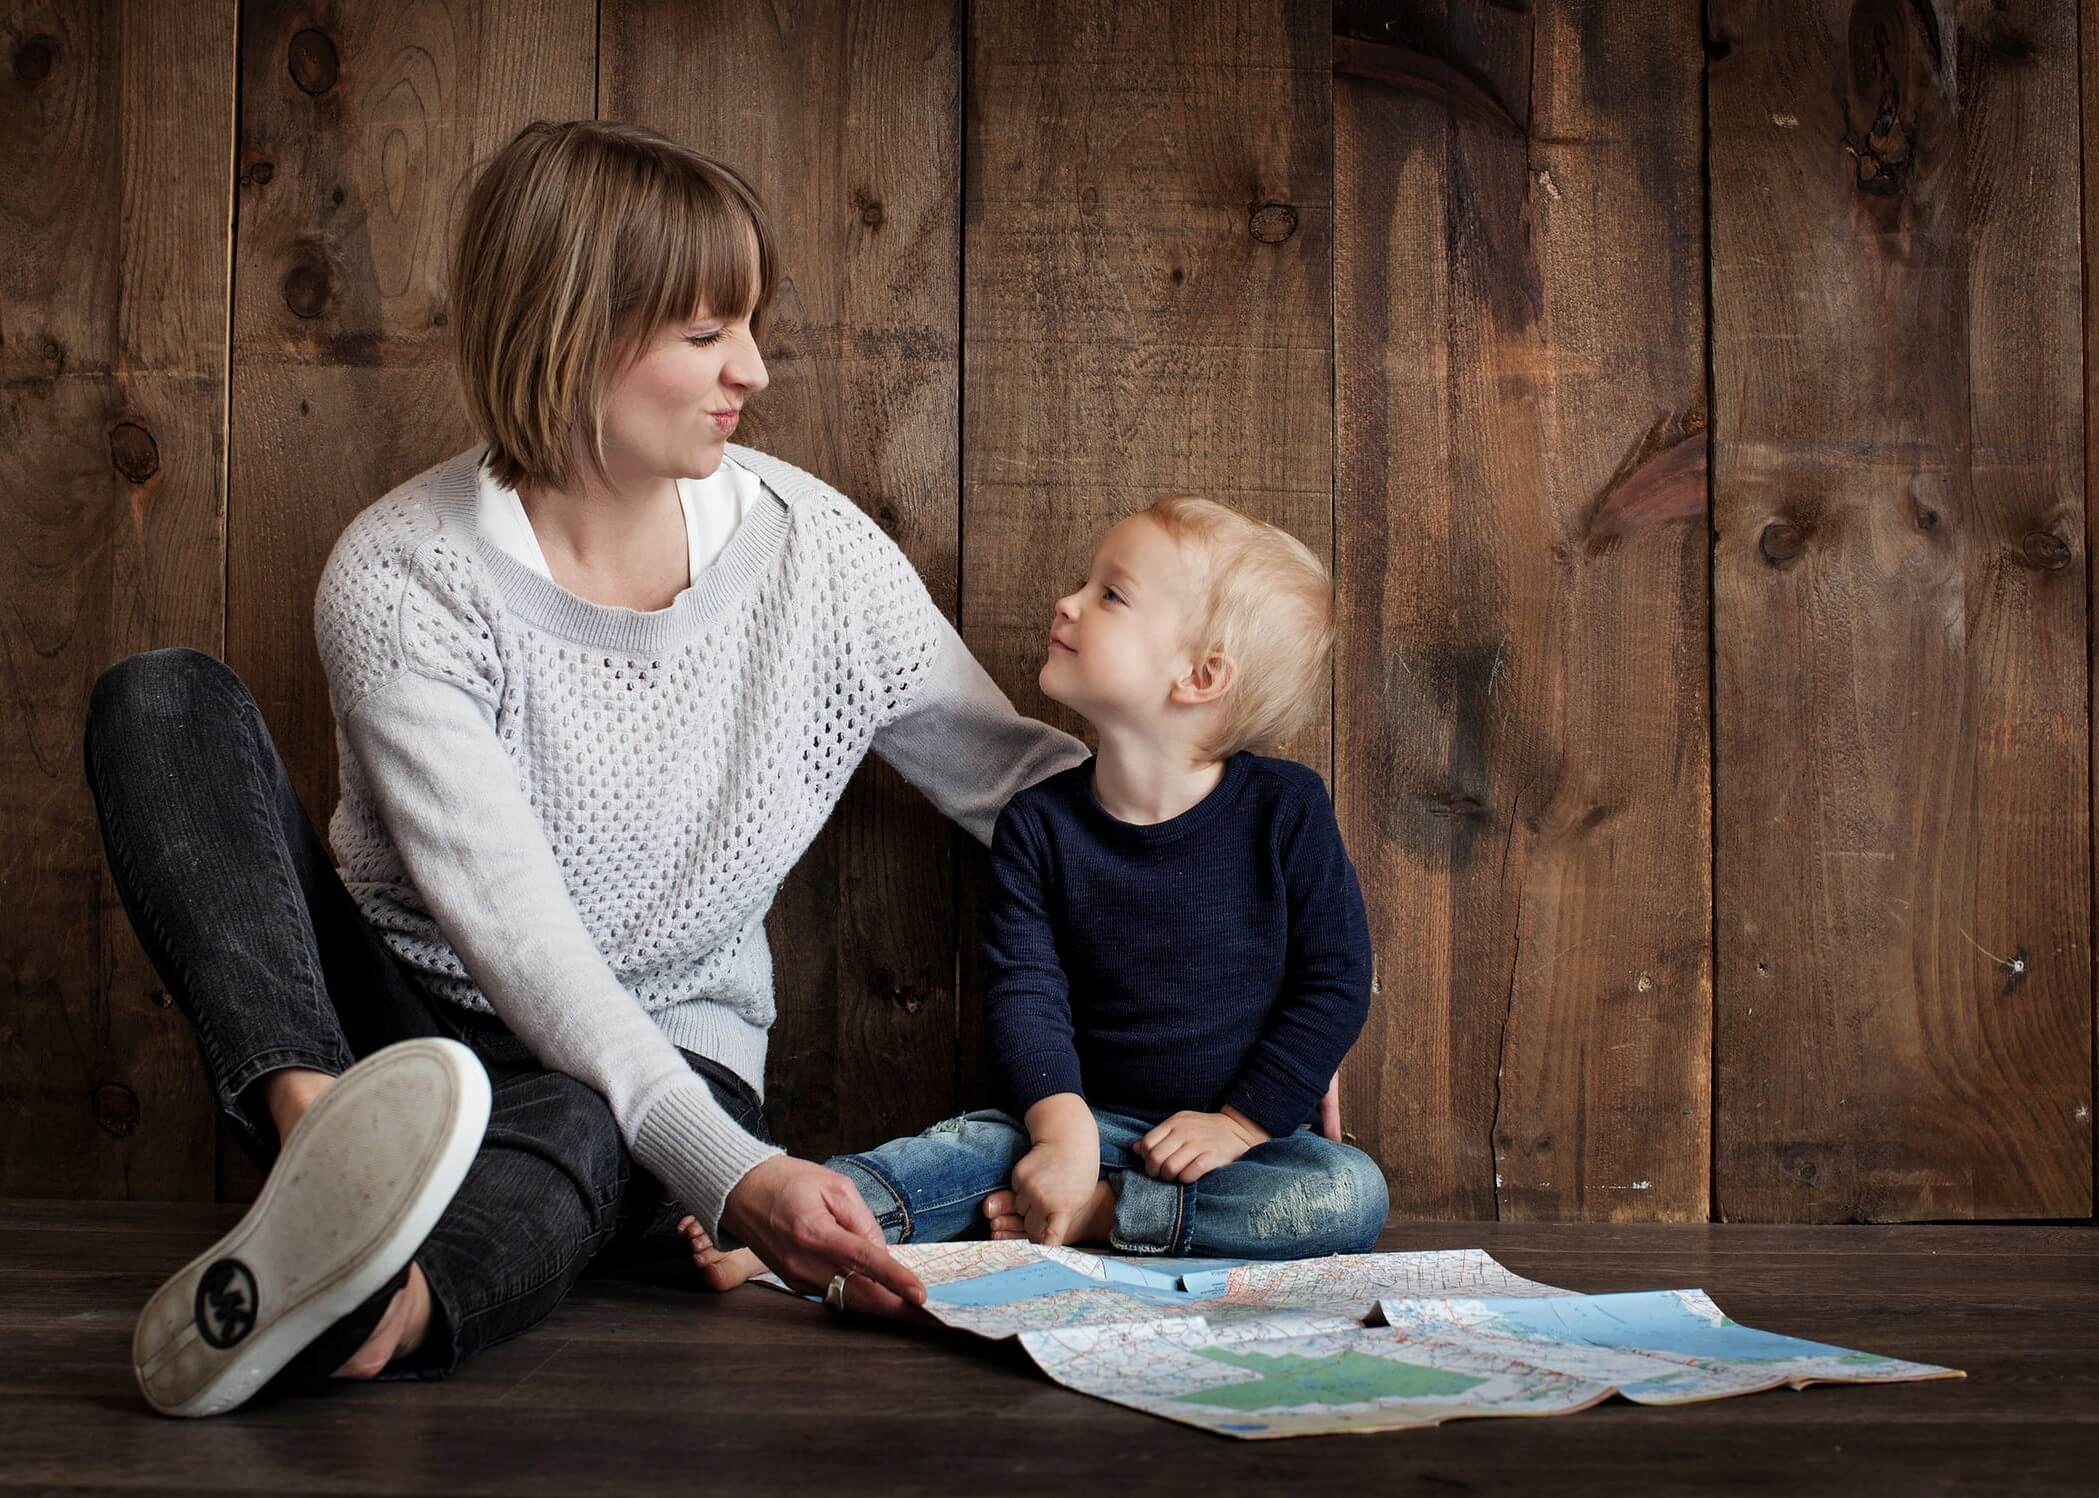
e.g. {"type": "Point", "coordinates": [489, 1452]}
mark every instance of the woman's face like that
{"type": "Point", "coordinates": [671, 413]}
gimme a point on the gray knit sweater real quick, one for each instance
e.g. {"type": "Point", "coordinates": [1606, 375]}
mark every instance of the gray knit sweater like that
{"type": "Point", "coordinates": [577, 816]}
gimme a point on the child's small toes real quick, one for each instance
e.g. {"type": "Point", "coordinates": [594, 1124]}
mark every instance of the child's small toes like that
{"type": "Point", "coordinates": [999, 1204]}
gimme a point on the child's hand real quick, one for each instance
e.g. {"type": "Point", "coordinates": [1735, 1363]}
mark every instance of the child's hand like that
{"type": "Point", "coordinates": [1053, 1186]}
{"type": "Point", "coordinates": [1188, 1146]}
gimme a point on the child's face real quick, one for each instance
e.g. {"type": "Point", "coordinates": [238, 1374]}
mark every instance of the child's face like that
{"type": "Point", "coordinates": [1117, 645]}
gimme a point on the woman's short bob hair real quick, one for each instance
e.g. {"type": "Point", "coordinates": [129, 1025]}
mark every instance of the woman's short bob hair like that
{"type": "Point", "coordinates": [577, 243]}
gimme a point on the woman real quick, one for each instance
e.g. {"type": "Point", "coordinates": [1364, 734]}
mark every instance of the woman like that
{"type": "Point", "coordinates": [597, 682]}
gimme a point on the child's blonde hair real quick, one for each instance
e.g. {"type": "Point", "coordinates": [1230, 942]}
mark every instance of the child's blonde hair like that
{"type": "Point", "coordinates": [577, 242]}
{"type": "Point", "coordinates": [1268, 603]}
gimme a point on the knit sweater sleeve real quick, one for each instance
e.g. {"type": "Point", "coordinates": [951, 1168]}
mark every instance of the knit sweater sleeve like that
{"type": "Point", "coordinates": [416, 695]}
{"type": "Point", "coordinates": [1028, 1028]}
{"type": "Point", "coordinates": [1326, 983]}
{"type": "Point", "coordinates": [946, 727]}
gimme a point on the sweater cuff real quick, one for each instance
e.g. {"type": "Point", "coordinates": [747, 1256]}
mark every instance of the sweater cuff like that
{"type": "Point", "coordinates": [1035, 1075]}
{"type": "Point", "coordinates": [1271, 1106]}
{"type": "Point", "coordinates": [698, 1152]}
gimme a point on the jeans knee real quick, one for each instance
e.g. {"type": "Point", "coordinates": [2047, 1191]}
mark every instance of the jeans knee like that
{"type": "Point", "coordinates": [1336, 1206]}
{"type": "Point", "coordinates": [1373, 1199]}
{"type": "Point", "coordinates": [155, 687]}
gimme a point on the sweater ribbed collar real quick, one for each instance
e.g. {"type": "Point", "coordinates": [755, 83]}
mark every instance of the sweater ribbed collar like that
{"type": "Point", "coordinates": [1156, 834]}
{"type": "Point", "coordinates": [747, 556]}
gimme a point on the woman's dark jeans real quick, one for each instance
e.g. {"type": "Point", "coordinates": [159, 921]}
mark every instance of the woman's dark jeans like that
{"type": "Point", "coordinates": [236, 901]}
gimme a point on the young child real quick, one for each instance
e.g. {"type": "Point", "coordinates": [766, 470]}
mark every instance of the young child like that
{"type": "Point", "coordinates": [1178, 952]}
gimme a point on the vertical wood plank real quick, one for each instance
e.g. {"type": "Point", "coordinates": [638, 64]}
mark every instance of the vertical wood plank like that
{"type": "Point", "coordinates": [1148, 242]}
{"type": "Point", "coordinates": [2088, 135]}
{"type": "Point", "coordinates": [1900, 595]}
{"type": "Point", "coordinates": [116, 129]}
{"type": "Point", "coordinates": [359, 128]}
{"type": "Point", "coordinates": [1522, 735]}
{"type": "Point", "coordinates": [358, 134]}
{"type": "Point", "coordinates": [846, 118]}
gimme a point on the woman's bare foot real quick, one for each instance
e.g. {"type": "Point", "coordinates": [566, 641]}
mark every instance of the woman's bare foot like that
{"type": "Point", "coordinates": [721, 1271]}
{"type": "Point", "coordinates": [289, 1092]}
{"type": "Point", "coordinates": [1091, 1226]}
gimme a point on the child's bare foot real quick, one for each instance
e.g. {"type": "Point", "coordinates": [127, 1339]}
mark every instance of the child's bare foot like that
{"type": "Point", "coordinates": [721, 1271]}
{"type": "Point", "coordinates": [1091, 1226]}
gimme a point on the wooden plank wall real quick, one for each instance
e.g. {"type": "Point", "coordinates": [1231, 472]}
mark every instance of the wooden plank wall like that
{"type": "Point", "coordinates": [1689, 398]}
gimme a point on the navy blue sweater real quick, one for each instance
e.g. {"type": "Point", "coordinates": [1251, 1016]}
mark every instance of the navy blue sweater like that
{"type": "Point", "coordinates": [1222, 956]}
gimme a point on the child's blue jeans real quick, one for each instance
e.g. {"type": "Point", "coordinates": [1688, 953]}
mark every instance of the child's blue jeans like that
{"type": "Point", "coordinates": [1298, 1196]}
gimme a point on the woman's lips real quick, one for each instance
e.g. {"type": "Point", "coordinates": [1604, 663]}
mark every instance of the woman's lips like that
{"type": "Point", "coordinates": [725, 421]}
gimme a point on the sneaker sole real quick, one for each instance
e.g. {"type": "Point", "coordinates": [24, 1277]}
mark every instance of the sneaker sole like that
{"type": "Point", "coordinates": [357, 1188]}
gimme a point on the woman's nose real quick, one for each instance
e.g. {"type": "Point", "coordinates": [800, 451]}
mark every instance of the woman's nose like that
{"type": "Point", "coordinates": [747, 370]}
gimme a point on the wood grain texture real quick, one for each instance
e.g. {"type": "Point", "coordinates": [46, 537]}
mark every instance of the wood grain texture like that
{"type": "Point", "coordinates": [359, 130]}
{"type": "Point", "coordinates": [846, 117]}
{"type": "Point", "coordinates": [638, 1375]}
{"type": "Point", "coordinates": [1900, 597]}
{"type": "Point", "coordinates": [1148, 231]}
{"type": "Point", "coordinates": [358, 135]}
{"type": "Point", "coordinates": [1522, 743]}
{"type": "Point", "coordinates": [115, 179]}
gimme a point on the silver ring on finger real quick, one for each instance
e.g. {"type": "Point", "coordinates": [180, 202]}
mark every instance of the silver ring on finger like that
{"type": "Point", "coordinates": [834, 1295]}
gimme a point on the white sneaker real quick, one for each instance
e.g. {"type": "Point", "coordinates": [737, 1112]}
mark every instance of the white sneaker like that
{"type": "Point", "coordinates": [354, 1192]}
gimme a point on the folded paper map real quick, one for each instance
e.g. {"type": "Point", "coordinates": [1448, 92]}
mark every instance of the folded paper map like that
{"type": "Point", "coordinates": [1358, 1342]}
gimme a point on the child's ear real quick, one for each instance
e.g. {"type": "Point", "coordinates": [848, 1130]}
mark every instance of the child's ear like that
{"type": "Point", "coordinates": [1207, 680]}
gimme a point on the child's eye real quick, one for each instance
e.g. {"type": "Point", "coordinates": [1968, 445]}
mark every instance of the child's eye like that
{"type": "Point", "coordinates": [703, 340]}
{"type": "Point", "coordinates": [1111, 593]}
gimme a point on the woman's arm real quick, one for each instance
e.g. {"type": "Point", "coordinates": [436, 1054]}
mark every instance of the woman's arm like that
{"type": "Point", "coordinates": [957, 736]}
{"type": "Point", "coordinates": [474, 849]}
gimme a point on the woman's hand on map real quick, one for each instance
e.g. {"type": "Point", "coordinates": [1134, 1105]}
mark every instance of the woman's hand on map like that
{"type": "Point", "coordinates": [1189, 1145]}
{"type": "Point", "coordinates": [808, 1224]}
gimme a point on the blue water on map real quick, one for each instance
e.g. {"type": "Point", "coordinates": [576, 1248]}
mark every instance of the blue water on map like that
{"type": "Point", "coordinates": [1166, 1285]}
{"type": "Point", "coordinates": [1650, 1321]}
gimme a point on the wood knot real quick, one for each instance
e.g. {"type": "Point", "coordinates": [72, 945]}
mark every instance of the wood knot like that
{"type": "Point", "coordinates": [870, 210]}
{"type": "Point", "coordinates": [1781, 541]}
{"type": "Point", "coordinates": [33, 59]}
{"type": "Point", "coordinates": [307, 283]}
{"type": "Point", "coordinates": [883, 985]}
{"type": "Point", "coordinates": [116, 1110]}
{"type": "Point", "coordinates": [133, 452]}
{"type": "Point", "coordinates": [1272, 222]}
{"type": "Point", "coordinates": [1454, 804]}
{"type": "Point", "coordinates": [259, 174]}
{"type": "Point", "coordinates": [2006, 41]}
{"type": "Point", "coordinates": [1883, 154]}
{"type": "Point", "coordinates": [313, 62]}
{"type": "Point", "coordinates": [886, 517]}
{"type": "Point", "coordinates": [2044, 551]}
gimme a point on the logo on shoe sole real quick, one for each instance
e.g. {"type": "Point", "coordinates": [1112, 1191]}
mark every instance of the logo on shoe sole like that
{"type": "Point", "coordinates": [226, 1303]}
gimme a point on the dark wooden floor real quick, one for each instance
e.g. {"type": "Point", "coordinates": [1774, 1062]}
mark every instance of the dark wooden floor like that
{"type": "Point", "coordinates": [641, 1384]}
